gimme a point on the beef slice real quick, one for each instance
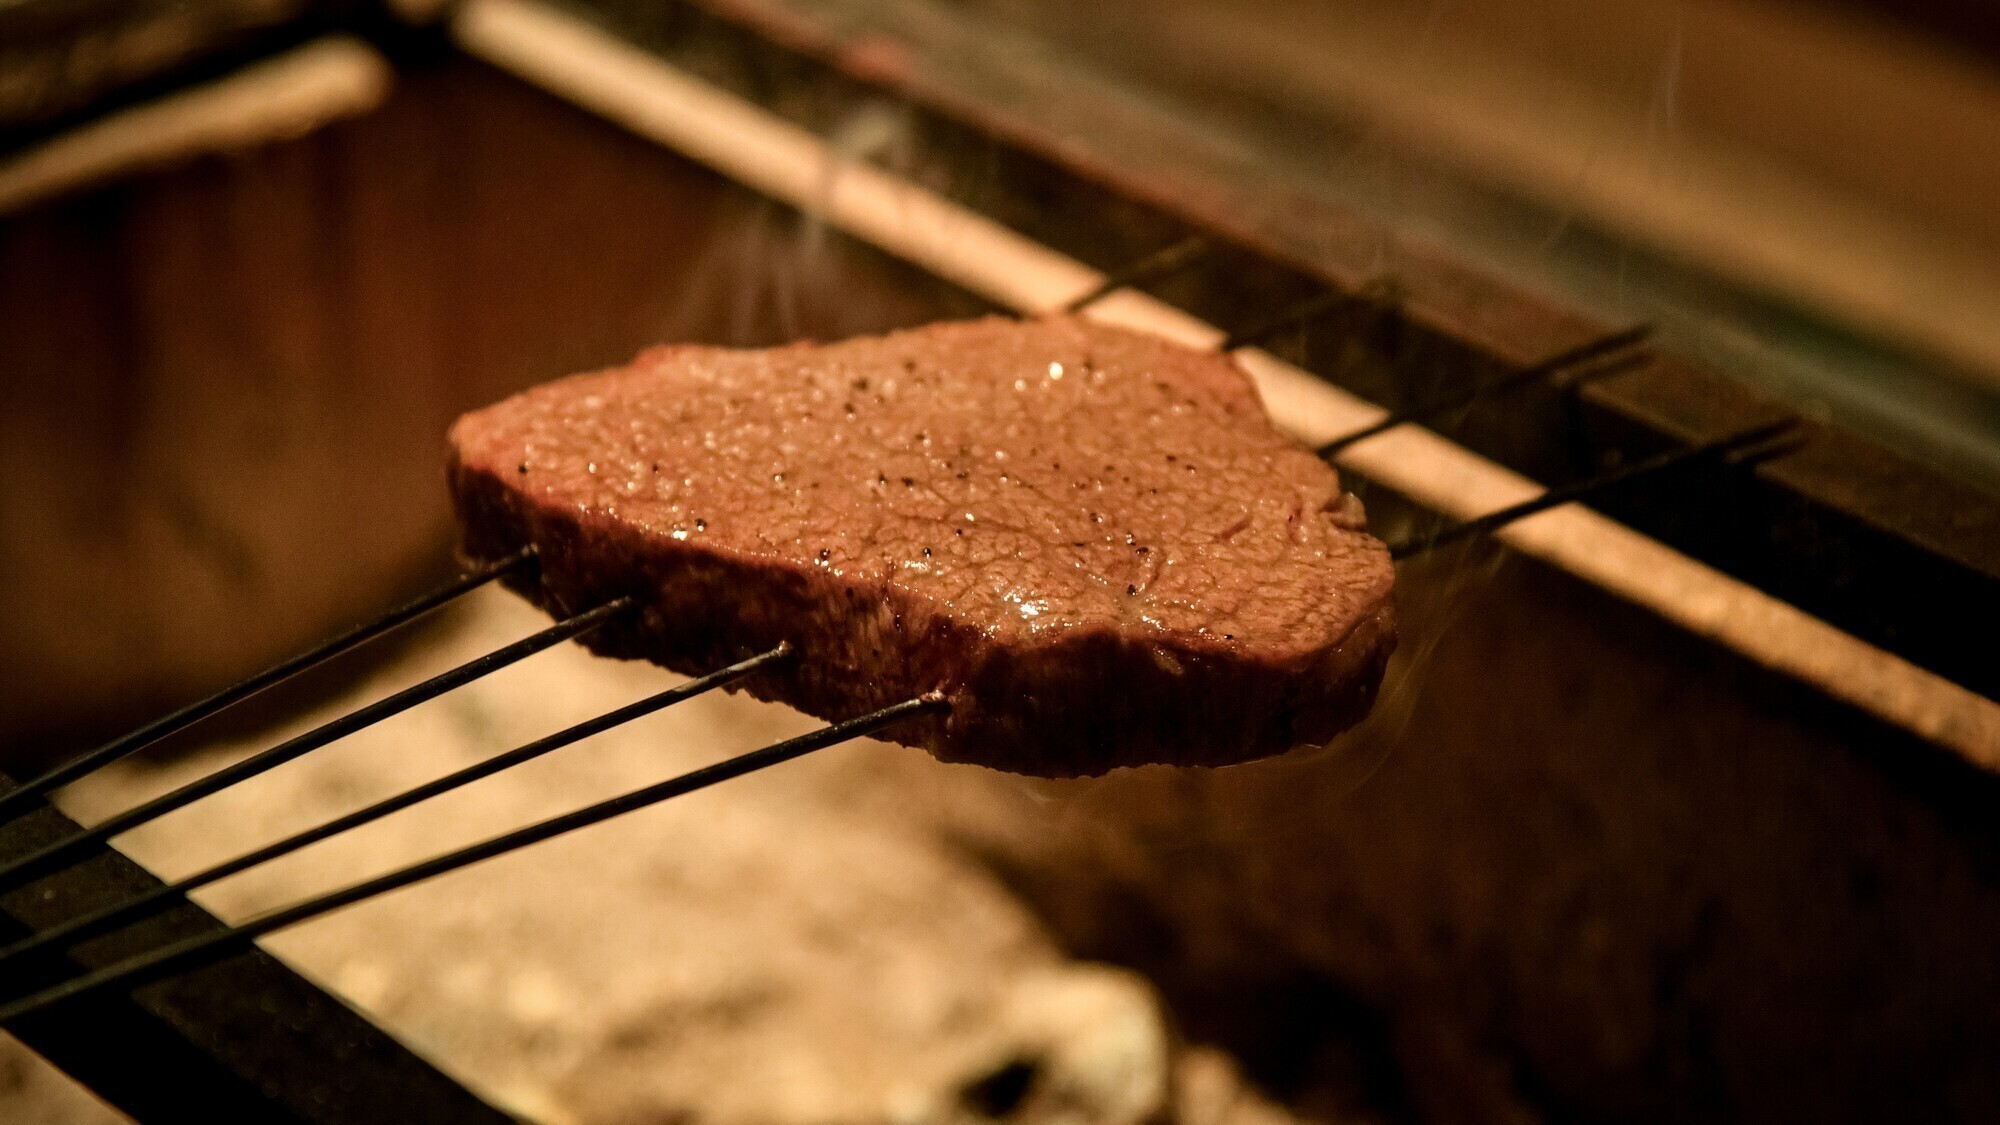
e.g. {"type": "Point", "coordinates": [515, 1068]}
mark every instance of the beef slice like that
{"type": "Point", "coordinates": [1091, 542]}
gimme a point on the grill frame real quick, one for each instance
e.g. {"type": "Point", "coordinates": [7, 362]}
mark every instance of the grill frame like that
{"type": "Point", "coordinates": [243, 1039]}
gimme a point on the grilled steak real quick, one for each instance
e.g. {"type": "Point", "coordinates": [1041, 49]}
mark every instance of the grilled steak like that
{"type": "Point", "coordinates": [1091, 541]}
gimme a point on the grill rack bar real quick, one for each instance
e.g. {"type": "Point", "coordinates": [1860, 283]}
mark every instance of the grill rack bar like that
{"type": "Point", "coordinates": [24, 799]}
{"type": "Point", "coordinates": [204, 948]}
{"type": "Point", "coordinates": [71, 848]}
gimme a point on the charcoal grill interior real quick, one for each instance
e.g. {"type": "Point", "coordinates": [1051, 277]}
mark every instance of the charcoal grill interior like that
{"type": "Point", "coordinates": [1579, 864]}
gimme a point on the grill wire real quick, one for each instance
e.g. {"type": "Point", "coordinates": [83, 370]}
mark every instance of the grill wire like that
{"type": "Point", "coordinates": [1614, 351]}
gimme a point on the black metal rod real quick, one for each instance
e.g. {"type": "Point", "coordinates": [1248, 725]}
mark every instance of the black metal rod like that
{"type": "Point", "coordinates": [213, 946]}
{"type": "Point", "coordinates": [71, 848]}
{"type": "Point", "coordinates": [1575, 357]}
{"type": "Point", "coordinates": [23, 798]}
{"type": "Point", "coordinates": [1316, 305]}
{"type": "Point", "coordinates": [1556, 497]}
{"type": "Point", "coordinates": [1160, 263]}
{"type": "Point", "coordinates": [121, 913]}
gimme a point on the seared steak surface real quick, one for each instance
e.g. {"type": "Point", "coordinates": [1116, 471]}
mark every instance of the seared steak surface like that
{"type": "Point", "coordinates": [1091, 541]}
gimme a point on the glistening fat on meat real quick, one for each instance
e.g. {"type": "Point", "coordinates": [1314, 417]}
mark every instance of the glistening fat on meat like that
{"type": "Point", "coordinates": [1093, 542]}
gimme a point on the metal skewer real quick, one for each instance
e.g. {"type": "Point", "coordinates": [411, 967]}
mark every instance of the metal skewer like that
{"type": "Point", "coordinates": [1319, 304]}
{"type": "Point", "coordinates": [1755, 444]}
{"type": "Point", "coordinates": [218, 944]}
{"type": "Point", "coordinates": [121, 913]}
{"type": "Point", "coordinates": [1582, 354]}
{"type": "Point", "coordinates": [59, 852]}
{"type": "Point", "coordinates": [1160, 263]}
{"type": "Point", "coordinates": [22, 798]}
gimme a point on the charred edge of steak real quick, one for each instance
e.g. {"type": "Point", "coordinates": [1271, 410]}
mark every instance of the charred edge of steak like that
{"type": "Point", "coordinates": [1076, 708]}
